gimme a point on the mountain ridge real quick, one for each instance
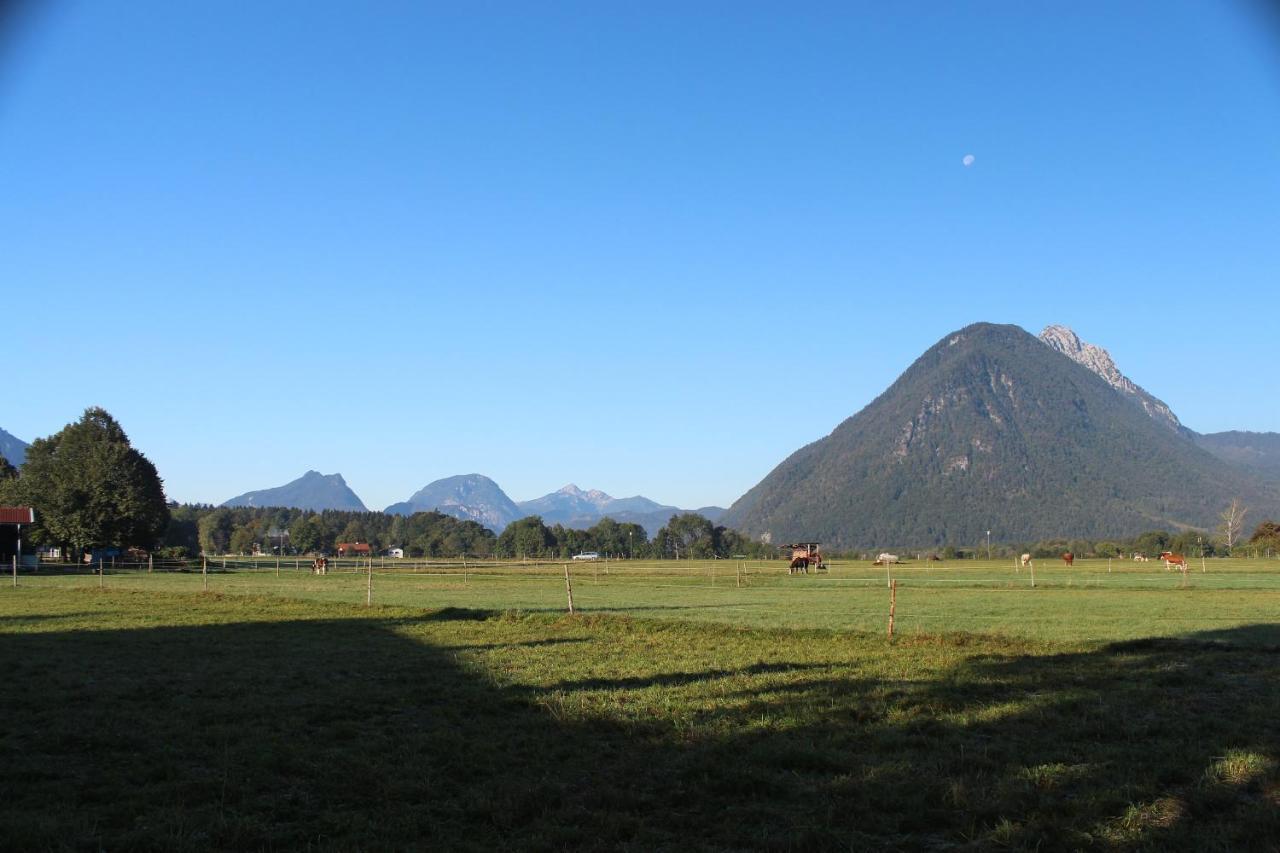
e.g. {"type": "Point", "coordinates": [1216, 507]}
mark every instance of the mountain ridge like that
{"type": "Point", "coordinates": [478, 498]}
{"type": "Point", "coordinates": [1099, 361]}
{"type": "Point", "coordinates": [992, 429]}
{"type": "Point", "coordinates": [472, 497]}
{"type": "Point", "coordinates": [313, 491]}
{"type": "Point", "coordinates": [13, 448]}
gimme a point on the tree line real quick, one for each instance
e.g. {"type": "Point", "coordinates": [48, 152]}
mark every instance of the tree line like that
{"type": "Point", "coordinates": [195, 529]}
{"type": "Point", "coordinates": [91, 489]}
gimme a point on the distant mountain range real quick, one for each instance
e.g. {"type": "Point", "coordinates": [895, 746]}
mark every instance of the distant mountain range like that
{"type": "Point", "coordinates": [13, 449]}
{"type": "Point", "coordinates": [576, 508]}
{"type": "Point", "coordinates": [313, 490]}
{"type": "Point", "coordinates": [992, 428]}
{"type": "Point", "coordinates": [478, 498]}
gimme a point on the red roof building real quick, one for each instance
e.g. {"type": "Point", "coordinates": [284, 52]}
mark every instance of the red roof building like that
{"type": "Point", "coordinates": [12, 520]}
{"type": "Point", "coordinates": [346, 549]}
{"type": "Point", "coordinates": [17, 515]}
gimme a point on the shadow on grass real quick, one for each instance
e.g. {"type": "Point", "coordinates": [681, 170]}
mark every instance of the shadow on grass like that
{"type": "Point", "coordinates": [674, 679]}
{"type": "Point", "coordinates": [352, 733]}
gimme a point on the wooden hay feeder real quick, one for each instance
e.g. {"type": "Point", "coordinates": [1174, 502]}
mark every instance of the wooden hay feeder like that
{"type": "Point", "coordinates": [805, 555]}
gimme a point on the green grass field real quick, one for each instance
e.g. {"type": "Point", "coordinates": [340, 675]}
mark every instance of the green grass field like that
{"type": "Point", "coordinates": [1101, 710]}
{"type": "Point", "coordinates": [1085, 602]}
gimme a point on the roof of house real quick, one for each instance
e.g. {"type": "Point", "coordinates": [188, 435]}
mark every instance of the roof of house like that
{"type": "Point", "coordinates": [17, 515]}
{"type": "Point", "coordinates": [353, 546]}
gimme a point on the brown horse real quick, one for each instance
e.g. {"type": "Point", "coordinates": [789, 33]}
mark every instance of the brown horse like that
{"type": "Point", "coordinates": [1069, 558]}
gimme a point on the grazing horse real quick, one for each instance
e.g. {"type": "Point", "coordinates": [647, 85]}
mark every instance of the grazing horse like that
{"type": "Point", "coordinates": [1026, 560]}
{"type": "Point", "coordinates": [1171, 559]}
{"type": "Point", "coordinates": [1069, 558]}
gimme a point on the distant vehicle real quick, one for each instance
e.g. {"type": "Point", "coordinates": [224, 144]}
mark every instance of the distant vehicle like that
{"type": "Point", "coordinates": [587, 555]}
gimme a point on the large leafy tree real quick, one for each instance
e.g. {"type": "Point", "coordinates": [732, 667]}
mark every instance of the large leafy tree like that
{"type": "Point", "coordinates": [689, 535]}
{"type": "Point", "coordinates": [525, 537]}
{"type": "Point", "coordinates": [90, 487]}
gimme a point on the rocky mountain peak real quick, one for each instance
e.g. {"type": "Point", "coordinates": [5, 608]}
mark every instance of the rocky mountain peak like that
{"type": "Point", "coordinates": [1095, 358]}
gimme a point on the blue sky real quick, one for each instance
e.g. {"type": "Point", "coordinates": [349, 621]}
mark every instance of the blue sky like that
{"type": "Point", "coordinates": [605, 242]}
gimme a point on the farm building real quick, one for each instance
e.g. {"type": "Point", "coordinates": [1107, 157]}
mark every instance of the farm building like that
{"type": "Point", "coordinates": [12, 520]}
{"type": "Point", "coordinates": [396, 553]}
{"type": "Point", "coordinates": [354, 549]}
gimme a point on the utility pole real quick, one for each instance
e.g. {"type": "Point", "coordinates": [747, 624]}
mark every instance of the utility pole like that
{"type": "Point", "coordinates": [988, 545]}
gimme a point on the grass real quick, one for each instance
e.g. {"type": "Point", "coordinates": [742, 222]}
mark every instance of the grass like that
{"type": "Point", "coordinates": [1086, 602]}
{"type": "Point", "coordinates": [151, 715]}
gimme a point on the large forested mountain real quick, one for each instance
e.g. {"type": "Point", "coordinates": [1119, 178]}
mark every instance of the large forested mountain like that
{"type": "Point", "coordinates": [992, 429]}
{"type": "Point", "coordinates": [13, 449]}
{"type": "Point", "coordinates": [313, 490]}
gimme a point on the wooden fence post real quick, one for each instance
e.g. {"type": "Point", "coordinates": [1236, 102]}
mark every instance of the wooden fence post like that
{"type": "Point", "coordinates": [149, 564]}
{"type": "Point", "coordinates": [204, 572]}
{"type": "Point", "coordinates": [368, 595]}
{"type": "Point", "coordinates": [568, 587]}
{"type": "Point", "coordinates": [102, 569]}
{"type": "Point", "coordinates": [893, 604]}
{"type": "Point", "coordinates": [1033, 574]}
{"type": "Point", "coordinates": [738, 569]}
{"type": "Point", "coordinates": [15, 571]}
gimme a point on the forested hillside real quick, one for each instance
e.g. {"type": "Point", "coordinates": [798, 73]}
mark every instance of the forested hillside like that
{"type": "Point", "coordinates": [992, 430]}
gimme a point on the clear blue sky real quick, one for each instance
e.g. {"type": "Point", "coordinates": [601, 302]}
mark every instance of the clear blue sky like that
{"type": "Point", "coordinates": [607, 242]}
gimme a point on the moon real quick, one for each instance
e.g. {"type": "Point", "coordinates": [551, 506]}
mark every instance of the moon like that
{"type": "Point", "coordinates": [968, 160]}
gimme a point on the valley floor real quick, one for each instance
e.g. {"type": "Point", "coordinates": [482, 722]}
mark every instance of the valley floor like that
{"type": "Point", "coordinates": [148, 714]}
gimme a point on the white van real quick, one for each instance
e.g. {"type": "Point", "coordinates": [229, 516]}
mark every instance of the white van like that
{"type": "Point", "coordinates": [587, 555]}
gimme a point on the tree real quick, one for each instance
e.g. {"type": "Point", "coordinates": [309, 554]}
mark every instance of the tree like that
{"type": "Point", "coordinates": [1231, 522]}
{"type": "Point", "coordinates": [1266, 535]}
{"type": "Point", "coordinates": [91, 488]}
{"type": "Point", "coordinates": [303, 534]}
{"type": "Point", "coordinates": [1152, 542]}
{"type": "Point", "coordinates": [242, 539]}
{"type": "Point", "coordinates": [689, 535]}
{"type": "Point", "coordinates": [8, 482]}
{"type": "Point", "coordinates": [215, 531]}
{"type": "Point", "coordinates": [525, 537]}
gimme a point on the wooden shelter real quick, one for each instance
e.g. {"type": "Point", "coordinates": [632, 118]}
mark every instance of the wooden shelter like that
{"type": "Point", "coordinates": [805, 555]}
{"type": "Point", "coordinates": [12, 520]}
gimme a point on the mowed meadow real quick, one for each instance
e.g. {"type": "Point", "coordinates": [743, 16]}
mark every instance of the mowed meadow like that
{"type": "Point", "coordinates": [693, 706]}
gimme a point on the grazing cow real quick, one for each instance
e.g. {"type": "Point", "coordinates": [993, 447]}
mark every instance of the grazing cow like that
{"type": "Point", "coordinates": [1026, 560]}
{"type": "Point", "coordinates": [1171, 560]}
{"type": "Point", "coordinates": [887, 559]}
{"type": "Point", "coordinates": [1069, 558]}
{"type": "Point", "coordinates": [934, 558]}
{"type": "Point", "coordinates": [1139, 558]}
